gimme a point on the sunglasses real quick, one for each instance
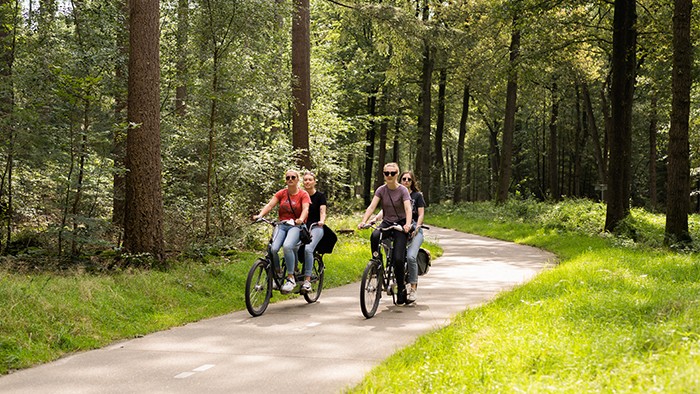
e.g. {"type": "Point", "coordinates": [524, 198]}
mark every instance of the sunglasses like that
{"type": "Point", "coordinates": [290, 177]}
{"type": "Point", "coordinates": [390, 173]}
{"type": "Point", "coordinates": [406, 179]}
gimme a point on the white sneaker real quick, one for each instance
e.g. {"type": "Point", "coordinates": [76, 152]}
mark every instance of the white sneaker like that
{"type": "Point", "coordinates": [306, 287]}
{"type": "Point", "coordinates": [410, 294]}
{"type": "Point", "coordinates": [288, 286]}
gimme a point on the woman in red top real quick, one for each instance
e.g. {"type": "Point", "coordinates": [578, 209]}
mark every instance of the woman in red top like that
{"type": "Point", "coordinates": [293, 211]}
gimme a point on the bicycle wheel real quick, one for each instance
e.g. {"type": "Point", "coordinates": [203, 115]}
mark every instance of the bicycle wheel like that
{"type": "Point", "coordinates": [371, 288]}
{"type": "Point", "coordinates": [316, 281]}
{"type": "Point", "coordinates": [258, 288]}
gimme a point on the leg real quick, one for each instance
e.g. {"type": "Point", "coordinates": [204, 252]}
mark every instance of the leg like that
{"type": "Point", "coordinates": [277, 241]}
{"type": "Point", "coordinates": [316, 235]}
{"type": "Point", "coordinates": [374, 242]}
{"type": "Point", "coordinates": [399, 259]}
{"type": "Point", "coordinates": [289, 248]}
{"type": "Point", "coordinates": [412, 256]}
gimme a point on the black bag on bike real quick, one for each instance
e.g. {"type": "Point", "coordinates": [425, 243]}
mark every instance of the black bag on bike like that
{"type": "Point", "coordinates": [423, 261]}
{"type": "Point", "coordinates": [305, 235]}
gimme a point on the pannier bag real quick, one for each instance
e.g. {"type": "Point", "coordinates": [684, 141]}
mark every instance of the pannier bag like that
{"type": "Point", "coordinates": [423, 261]}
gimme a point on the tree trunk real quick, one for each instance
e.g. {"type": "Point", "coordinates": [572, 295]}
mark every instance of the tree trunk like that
{"type": "Point", "coordinates": [505, 166]}
{"type": "Point", "coordinates": [301, 82]}
{"type": "Point", "coordinates": [623, 75]}
{"type": "Point", "coordinates": [381, 155]}
{"type": "Point", "coordinates": [437, 178]}
{"type": "Point", "coordinates": [397, 133]}
{"type": "Point", "coordinates": [9, 19]}
{"type": "Point", "coordinates": [143, 219]}
{"type": "Point", "coordinates": [580, 138]}
{"type": "Point", "coordinates": [678, 195]}
{"type": "Point", "coordinates": [553, 161]}
{"type": "Point", "coordinates": [183, 26]}
{"type": "Point", "coordinates": [423, 156]}
{"type": "Point", "coordinates": [369, 148]}
{"type": "Point", "coordinates": [653, 130]}
{"type": "Point", "coordinates": [211, 141]}
{"type": "Point", "coordinates": [595, 136]}
{"type": "Point", "coordinates": [460, 170]}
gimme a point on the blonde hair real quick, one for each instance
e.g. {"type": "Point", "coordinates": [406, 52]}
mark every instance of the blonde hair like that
{"type": "Point", "coordinates": [392, 164]}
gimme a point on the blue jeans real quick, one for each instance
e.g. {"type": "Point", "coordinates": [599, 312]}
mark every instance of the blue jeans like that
{"type": "Point", "coordinates": [412, 255]}
{"type": "Point", "coordinates": [286, 238]}
{"type": "Point", "coordinates": [316, 235]}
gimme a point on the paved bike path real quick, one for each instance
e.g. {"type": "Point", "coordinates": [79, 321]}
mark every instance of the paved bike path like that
{"type": "Point", "coordinates": [324, 347]}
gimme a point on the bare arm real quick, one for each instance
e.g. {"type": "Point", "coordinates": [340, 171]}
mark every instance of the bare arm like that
{"type": "Point", "coordinates": [322, 219]}
{"type": "Point", "coordinates": [409, 215]}
{"type": "Point", "coordinates": [370, 209]}
{"type": "Point", "coordinates": [267, 208]}
{"type": "Point", "coordinates": [304, 213]}
{"type": "Point", "coordinates": [421, 215]}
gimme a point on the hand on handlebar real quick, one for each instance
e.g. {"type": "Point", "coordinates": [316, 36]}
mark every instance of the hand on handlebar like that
{"type": "Point", "coordinates": [364, 225]}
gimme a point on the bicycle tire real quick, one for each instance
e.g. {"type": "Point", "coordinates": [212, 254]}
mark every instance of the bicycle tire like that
{"type": "Point", "coordinates": [258, 288]}
{"type": "Point", "coordinates": [316, 281]}
{"type": "Point", "coordinates": [371, 288]}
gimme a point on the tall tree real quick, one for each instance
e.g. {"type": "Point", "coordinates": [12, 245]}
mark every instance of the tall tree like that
{"type": "Point", "coordinates": [8, 16]}
{"type": "Point", "coordinates": [598, 154]}
{"type": "Point", "coordinates": [423, 156]}
{"type": "Point", "coordinates": [183, 23]}
{"type": "Point", "coordinates": [653, 130]}
{"type": "Point", "coordinates": [622, 91]}
{"type": "Point", "coordinates": [369, 147]}
{"type": "Point", "coordinates": [552, 154]}
{"type": "Point", "coordinates": [143, 219]}
{"type": "Point", "coordinates": [678, 195]}
{"type": "Point", "coordinates": [506, 165]}
{"type": "Point", "coordinates": [301, 85]}
{"type": "Point", "coordinates": [460, 170]}
{"type": "Point", "coordinates": [438, 159]}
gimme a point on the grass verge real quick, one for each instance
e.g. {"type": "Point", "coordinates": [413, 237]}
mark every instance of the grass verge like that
{"type": "Point", "coordinates": [47, 315]}
{"type": "Point", "coordinates": [616, 315]}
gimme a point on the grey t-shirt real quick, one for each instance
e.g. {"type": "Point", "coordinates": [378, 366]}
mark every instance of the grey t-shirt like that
{"type": "Point", "coordinates": [392, 202]}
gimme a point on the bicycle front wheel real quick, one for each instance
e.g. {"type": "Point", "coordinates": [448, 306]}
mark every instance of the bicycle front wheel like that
{"type": "Point", "coordinates": [258, 288]}
{"type": "Point", "coordinates": [316, 281]}
{"type": "Point", "coordinates": [371, 288]}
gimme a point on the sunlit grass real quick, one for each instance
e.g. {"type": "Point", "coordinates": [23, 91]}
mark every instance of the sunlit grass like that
{"type": "Point", "coordinates": [614, 316]}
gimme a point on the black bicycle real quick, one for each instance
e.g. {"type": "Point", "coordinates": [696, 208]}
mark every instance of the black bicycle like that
{"type": "Point", "coordinates": [379, 274]}
{"type": "Point", "coordinates": [263, 278]}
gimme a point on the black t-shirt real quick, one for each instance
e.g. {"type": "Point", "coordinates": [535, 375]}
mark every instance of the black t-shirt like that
{"type": "Point", "coordinates": [317, 199]}
{"type": "Point", "coordinates": [417, 201]}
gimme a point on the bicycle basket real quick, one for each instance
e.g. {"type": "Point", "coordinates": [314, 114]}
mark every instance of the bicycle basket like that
{"type": "Point", "coordinates": [423, 261]}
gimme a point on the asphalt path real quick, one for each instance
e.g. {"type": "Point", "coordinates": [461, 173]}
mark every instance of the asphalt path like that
{"type": "Point", "coordinates": [325, 347]}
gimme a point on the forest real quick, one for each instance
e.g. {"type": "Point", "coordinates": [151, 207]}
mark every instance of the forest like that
{"type": "Point", "coordinates": [146, 126]}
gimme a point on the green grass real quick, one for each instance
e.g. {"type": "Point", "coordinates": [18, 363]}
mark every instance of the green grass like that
{"type": "Point", "coordinates": [47, 315]}
{"type": "Point", "coordinates": [614, 316]}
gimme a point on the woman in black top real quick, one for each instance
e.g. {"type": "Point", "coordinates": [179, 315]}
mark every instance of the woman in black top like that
{"type": "Point", "coordinates": [418, 207]}
{"type": "Point", "coordinates": [315, 221]}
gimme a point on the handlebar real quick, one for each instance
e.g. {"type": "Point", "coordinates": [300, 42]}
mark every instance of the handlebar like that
{"type": "Point", "coordinates": [274, 222]}
{"type": "Point", "coordinates": [395, 226]}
